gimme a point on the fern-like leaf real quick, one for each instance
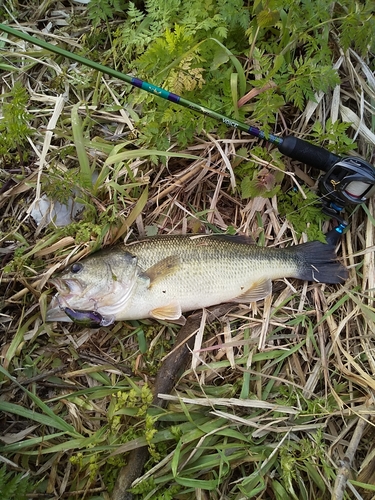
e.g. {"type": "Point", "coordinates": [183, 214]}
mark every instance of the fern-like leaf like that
{"type": "Point", "coordinates": [14, 486]}
{"type": "Point", "coordinates": [103, 10]}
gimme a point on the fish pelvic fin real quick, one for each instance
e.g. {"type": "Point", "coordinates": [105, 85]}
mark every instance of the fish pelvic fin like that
{"type": "Point", "coordinates": [318, 262]}
{"type": "Point", "coordinates": [170, 312]}
{"type": "Point", "coordinates": [162, 269]}
{"type": "Point", "coordinates": [260, 290]}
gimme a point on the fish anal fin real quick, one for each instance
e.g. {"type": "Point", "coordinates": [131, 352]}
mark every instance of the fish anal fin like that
{"type": "Point", "coordinates": [258, 291]}
{"type": "Point", "coordinates": [162, 269]}
{"type": "Point", "coordinates": [180, 321]}
{"type": "Point", "coordinates": [170, 312]}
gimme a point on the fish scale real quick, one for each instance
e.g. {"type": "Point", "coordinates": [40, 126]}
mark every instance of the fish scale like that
{"type": "Point", "coordinates": [217, 266]}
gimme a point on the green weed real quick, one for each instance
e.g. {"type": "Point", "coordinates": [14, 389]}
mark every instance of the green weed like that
{"type": "Point", "coordinates": [304, 212]}
{"type": "Point", "coordinates": [15, 125]}
{"type": "Point", "coordinates": [15, 486]}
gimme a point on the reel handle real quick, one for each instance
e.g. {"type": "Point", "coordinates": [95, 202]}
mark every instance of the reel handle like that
{"type": "Point", "coordinates": [308, 153]}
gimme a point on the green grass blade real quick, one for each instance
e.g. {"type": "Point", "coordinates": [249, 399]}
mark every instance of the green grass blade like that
{"type": "Point", "coordinates": [138, 153]}
{"type": "Point", "coordinates": [48, 417]}
{"type": "Point", "coordinates": [29, 443]}
{"type": "Point", "coordinates": [79, 142]}
{"type": "Point", "coordinates": [56, 422]}
{"type": "Point", "coordinates": [236, 63]}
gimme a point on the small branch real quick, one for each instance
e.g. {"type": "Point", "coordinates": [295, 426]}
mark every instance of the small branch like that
{"type": "Point", "coordinates": [344, 472]}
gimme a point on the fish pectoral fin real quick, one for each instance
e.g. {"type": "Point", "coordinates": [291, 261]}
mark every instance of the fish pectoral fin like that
{"type": "Point", "coordinates": [170, 312]}
{"type": "Point", "coordinates": [258, 291]}
{"type": "Point", "coordinates": [162, 269]}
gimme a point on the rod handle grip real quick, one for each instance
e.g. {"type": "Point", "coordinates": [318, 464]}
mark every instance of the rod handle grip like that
{"type": "Point", "coordinates": [308, 153]}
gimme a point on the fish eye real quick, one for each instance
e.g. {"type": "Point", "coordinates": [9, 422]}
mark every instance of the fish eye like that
{"type": "Point", "coordinates": [76, 267]}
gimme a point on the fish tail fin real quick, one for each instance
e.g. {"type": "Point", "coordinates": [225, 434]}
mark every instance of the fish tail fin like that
{"type": "Point", "coordinates": [318, 262]}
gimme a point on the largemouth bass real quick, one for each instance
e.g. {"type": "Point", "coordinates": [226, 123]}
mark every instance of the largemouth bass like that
{"type": "Point", "coordinates": [164, 276]}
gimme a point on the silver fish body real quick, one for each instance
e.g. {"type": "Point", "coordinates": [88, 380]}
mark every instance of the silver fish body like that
{"type": "Point", "coordinates": [164, 276]}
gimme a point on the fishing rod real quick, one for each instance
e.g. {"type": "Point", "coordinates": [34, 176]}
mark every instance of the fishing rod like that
{"type": "Point", "coordinates": [347, 180]}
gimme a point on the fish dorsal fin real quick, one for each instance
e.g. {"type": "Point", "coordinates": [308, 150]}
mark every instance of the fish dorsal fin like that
{"type": "Point", "coordinates": [258, 291]}
{"type": "Point", "coordinates": [162, 269]}
{"type": "Point", "coordinates": [170, 312]}
{"type": "Point", "coordinates": [236, 238]}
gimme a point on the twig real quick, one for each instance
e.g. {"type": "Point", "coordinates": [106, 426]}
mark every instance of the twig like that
{"type": "Point", "coordinates": [346, 464]}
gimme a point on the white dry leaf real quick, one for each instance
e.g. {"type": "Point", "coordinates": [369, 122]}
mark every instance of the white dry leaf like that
{"type": "Point", "coordinates": [228, 347]}
{"type": "Point", "coordinates": [369, 84]}
{"type": "Point", "coordinates": [347, 115]}
{"type": "Point", "coordinates": [10, 438]}
{"type": "Point", "coordinates": [58, 108]}
{"type": "Point", "coordinates": [196, 359]}
{"type": "Point", "coordinates": [232, 402]}
{"type": "Point", "coordinates": [44, 211]}
{"type": "Point", "coordinates": [335, 106]}
{"type": "Point", "coordinates": [226, 161]}
{"type": "Point", "coordinates": [312, 105]}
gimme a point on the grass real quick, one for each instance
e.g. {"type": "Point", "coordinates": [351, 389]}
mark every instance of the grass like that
{"type": "Point", "coordinates": [277, 401]}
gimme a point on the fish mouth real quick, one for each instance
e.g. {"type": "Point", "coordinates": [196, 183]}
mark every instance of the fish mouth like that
{"type": "Point", "coordinates": [55, 312]}
{"type": "Point", "coordinates": [68, 291]}
{"type": "Point", "coordinates": [67, 286]}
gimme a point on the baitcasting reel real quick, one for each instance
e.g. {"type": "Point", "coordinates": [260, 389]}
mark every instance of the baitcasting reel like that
{"type": "Point", "coordinates": [347, 181]}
